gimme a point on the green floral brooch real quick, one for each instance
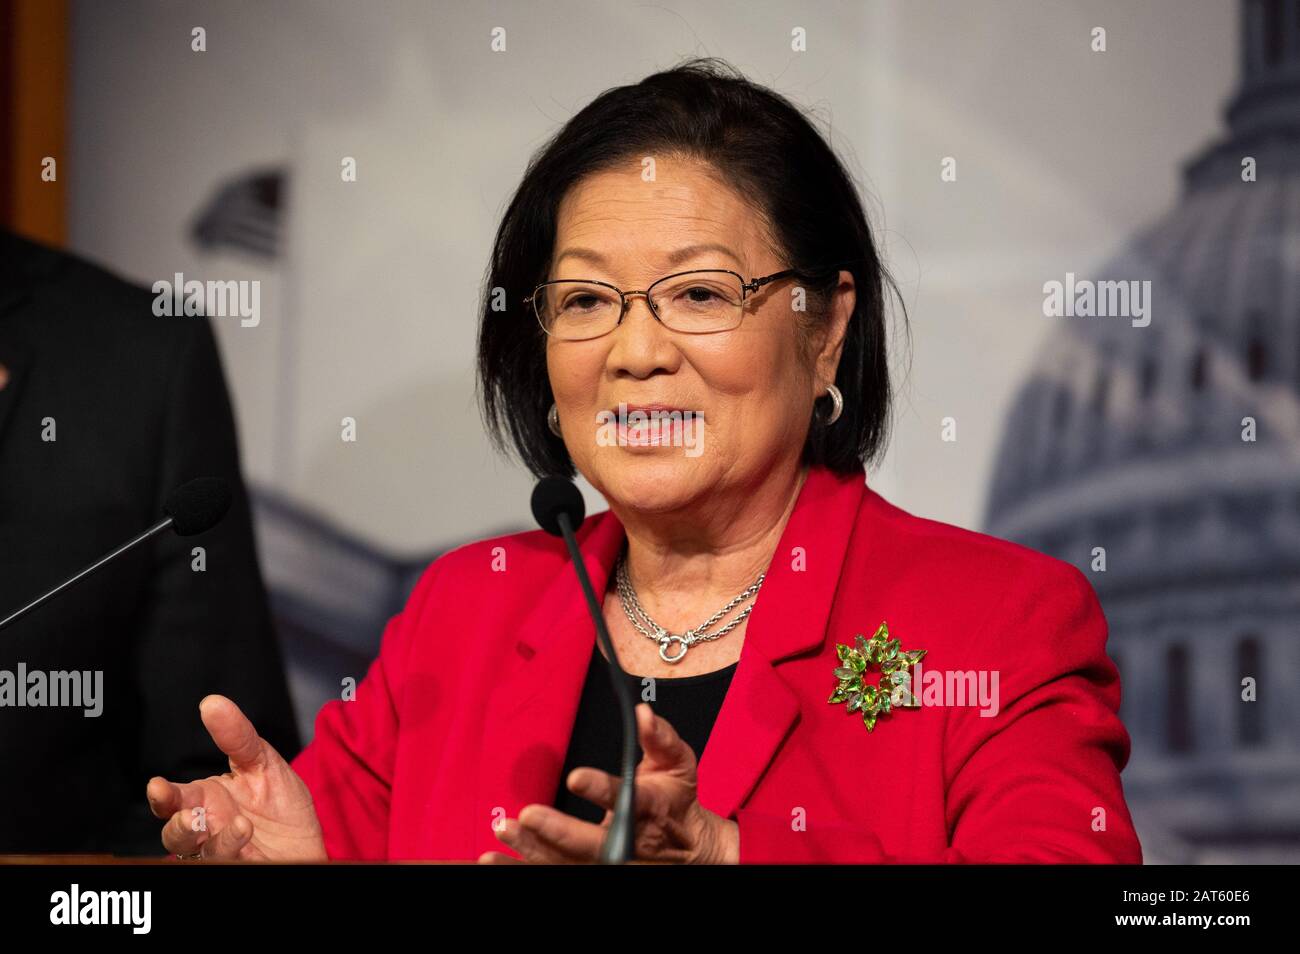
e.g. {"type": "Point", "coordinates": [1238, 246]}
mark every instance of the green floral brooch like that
{"type": "Point", "coordinates": [895, 685]}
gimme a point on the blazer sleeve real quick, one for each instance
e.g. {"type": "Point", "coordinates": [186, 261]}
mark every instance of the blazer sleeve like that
{"type": "Point", "coordinates": [348, 765]}
{"type": "Point", "coordinates": [1037, 783]}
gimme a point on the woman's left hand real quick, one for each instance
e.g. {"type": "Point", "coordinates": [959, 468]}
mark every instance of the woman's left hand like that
{"type": "Point", "coordinates": [672, 826]}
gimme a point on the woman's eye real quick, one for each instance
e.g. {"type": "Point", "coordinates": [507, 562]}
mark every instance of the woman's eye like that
{"type": "Point", "coordinates": [581, 303]}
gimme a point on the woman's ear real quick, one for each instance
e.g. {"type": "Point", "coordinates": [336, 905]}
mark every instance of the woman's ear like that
{"type": "Point", "coordinates": [843, 300]}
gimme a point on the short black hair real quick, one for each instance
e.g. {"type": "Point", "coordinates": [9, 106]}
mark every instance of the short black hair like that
{"type": "Point", "coordinates": [764, 147]}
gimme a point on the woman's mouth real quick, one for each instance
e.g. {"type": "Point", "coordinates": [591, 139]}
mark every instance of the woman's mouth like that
{"type": "Point", "coordinates": [653, 425]}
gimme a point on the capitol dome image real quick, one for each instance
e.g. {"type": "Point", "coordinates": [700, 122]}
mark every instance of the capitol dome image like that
{"type": "Point", "coordinates": [1161, 456]}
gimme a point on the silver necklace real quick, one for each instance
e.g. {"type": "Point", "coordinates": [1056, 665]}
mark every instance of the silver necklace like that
{"type": "Point", "coordinates": [651, 630]}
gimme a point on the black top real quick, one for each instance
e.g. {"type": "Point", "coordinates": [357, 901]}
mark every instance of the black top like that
{"type": "Point", "coordinates": [689, 703]}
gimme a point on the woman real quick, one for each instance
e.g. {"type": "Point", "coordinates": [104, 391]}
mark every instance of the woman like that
{"type": "Point", "coordinates": [691, 249]}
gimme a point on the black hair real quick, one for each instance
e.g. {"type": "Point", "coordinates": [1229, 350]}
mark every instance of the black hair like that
{"type": "Point", "coordinates": [765, 148]}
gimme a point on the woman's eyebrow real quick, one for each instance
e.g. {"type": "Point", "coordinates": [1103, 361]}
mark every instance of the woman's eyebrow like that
{"type": "Point", "coordinates": [672, 259]}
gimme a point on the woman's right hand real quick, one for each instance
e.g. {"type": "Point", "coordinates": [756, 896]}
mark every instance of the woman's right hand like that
{"type": "Point", "coordinates": [258, 811]}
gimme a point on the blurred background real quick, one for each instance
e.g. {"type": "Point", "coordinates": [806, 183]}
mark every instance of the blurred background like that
{"type": "Point", "coordinates": [1110, 140]}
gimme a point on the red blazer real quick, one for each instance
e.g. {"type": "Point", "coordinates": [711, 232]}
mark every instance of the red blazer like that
{"type": "Point", "coordinates": [465, 717]}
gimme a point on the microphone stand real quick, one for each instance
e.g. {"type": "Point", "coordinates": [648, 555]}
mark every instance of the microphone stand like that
{"type": "Point", "coordinates": [619, 844]}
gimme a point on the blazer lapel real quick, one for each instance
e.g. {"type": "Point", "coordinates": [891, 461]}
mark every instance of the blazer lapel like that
{"type": "Point", "coordinates": [789, 619]}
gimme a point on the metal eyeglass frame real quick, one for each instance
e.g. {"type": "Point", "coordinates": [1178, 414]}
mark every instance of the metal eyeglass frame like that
{"type": "Point", "coordinates": [746, 287]}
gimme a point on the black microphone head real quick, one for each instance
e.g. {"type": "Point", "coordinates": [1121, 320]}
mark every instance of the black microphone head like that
{"type": "Point", "coordinates": [553, 496]}
{"type": "Point", "coordinates": [198, 505]}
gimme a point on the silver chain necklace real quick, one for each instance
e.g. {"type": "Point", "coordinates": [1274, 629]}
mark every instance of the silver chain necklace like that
{"type": "Point", "coordinates": [633, 608]}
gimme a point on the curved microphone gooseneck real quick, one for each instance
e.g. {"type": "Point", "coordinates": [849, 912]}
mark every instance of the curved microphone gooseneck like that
{"type": "Point", "coordinates": [559, 509]}
{"type": "Point", "coordinates": [191, 508]}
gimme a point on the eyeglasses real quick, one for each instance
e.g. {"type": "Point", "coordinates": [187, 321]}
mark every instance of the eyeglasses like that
{"type": "Point", "coordinates": [702, 301]}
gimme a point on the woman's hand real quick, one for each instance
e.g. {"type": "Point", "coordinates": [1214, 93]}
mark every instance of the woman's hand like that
{"type": "Point", "coordinates": [258, 811]}
{"type": "Point", "coordinates": [671, 826]}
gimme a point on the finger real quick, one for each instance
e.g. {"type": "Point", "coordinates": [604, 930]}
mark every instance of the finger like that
{"type": "Point", "coordinates": [563, 834]}
{"type": "Point", "coordinates": [179, 835]}
{"type": "Point", "coordinates": [499, 858]}
{"type": "Point", "coordinates": [167, 798]}
{"type": "Point", "coordinates": [652, 800]}
{"type": "Point", "coordinates": [233, 733]}
{"type": "Point", "coordinates": [663, 747]}
{"type": "Point", "coordinates": [595, 786]}
{"type": "Point", "coordinates": [530, 846]}
{"type": "Point", "coordinates": [225, 844]}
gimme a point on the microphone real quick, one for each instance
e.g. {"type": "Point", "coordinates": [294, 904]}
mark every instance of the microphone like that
{"type": "Point", "coordinates": [191, 508]}
{"type": "Point", "coordinates": [558, 508]}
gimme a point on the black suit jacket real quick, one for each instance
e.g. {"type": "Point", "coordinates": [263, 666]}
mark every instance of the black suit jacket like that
{"type": "Point", "coordinates": [137, 405]}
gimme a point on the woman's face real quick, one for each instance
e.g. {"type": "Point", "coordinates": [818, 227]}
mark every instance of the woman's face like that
{"type": "Point", "coordinates": [750, 390]}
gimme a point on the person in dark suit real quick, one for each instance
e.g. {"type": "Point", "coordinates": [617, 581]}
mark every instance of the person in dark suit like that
{"type": "Point", "coordinates": [105, 408]}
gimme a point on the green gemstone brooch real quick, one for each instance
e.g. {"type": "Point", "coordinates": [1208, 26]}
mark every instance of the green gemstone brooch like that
{"type": "Point", "coordinates": [894, 688]}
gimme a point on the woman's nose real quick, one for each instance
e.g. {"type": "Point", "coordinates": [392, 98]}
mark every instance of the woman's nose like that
{"type": "Point", "coordinates": [641, 344]}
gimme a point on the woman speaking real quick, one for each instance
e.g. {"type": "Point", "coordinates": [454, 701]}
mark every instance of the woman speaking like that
{"type": "Point", "coordinates": [685, 305]}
